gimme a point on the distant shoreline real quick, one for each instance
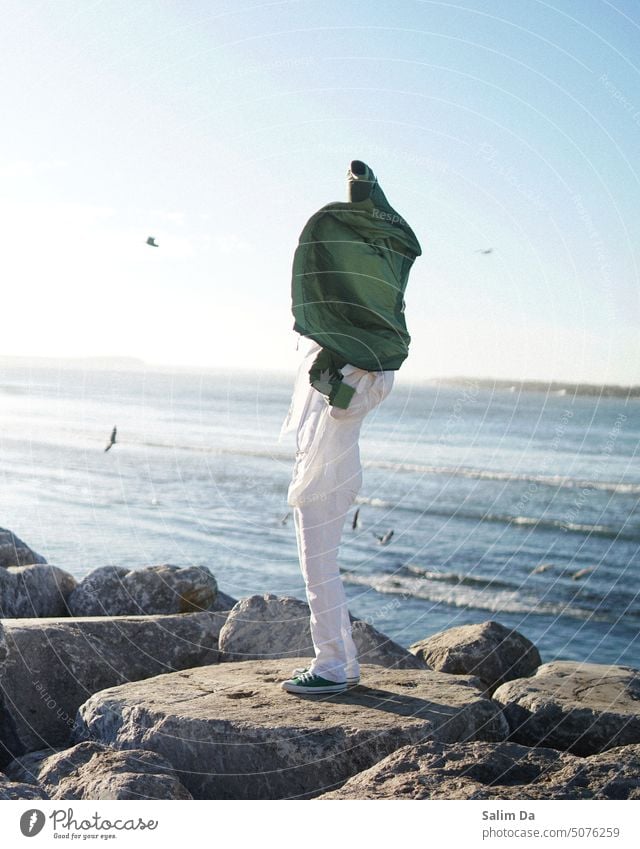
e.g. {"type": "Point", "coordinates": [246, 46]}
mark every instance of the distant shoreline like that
{"type": "Point", "coordinates": [604, 390]}
{"type": "Point", "coordinates": [548, 387]}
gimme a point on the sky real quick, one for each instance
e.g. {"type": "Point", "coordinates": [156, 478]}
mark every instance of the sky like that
{"type": "Point", "coordinates": [220, 127]}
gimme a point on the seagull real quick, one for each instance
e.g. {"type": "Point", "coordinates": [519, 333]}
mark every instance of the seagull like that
{"type": "Point", "coordinates": [112, 439]}
{"type": "Point", "coordinates": [486, 251]}
{"type": "Point", "coordinates": [152, 241]}
{"type": "Point", "coordinates": [385, 538]}
{"type": "Point", "coordinates": [355, 524]}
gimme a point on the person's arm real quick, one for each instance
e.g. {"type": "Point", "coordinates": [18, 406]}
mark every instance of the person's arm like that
{"type": "Point", "coordinates": [370, 389]}
{"type": "Point", "coordinates": [325, 376]}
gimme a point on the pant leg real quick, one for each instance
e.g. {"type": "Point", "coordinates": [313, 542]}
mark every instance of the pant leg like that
{"type": "Point", "coordinates": [325, 482]}
{"type": "Point", "coordinates": [350, 651]}
{"type": "Point", "coordinates": [319, 526]}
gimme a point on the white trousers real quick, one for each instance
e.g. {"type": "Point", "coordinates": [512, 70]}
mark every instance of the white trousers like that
{"type": "Point", "coordinates": [319, 527]}
{"type": "Point", "coordinates": [326, 479]}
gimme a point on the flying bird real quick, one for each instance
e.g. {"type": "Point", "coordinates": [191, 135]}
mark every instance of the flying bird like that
{"type": "Point", "coordinates": [112, 439]}
{"type": "Point", "coordinates": [356, 524]}
{"type": "Point", "coordinates": [385, 538]}
{"type": "Point", "coordinates": [485, 251]}
{"type": "Point", "coordinates": [151, 241]}
{"type": "Point", "coordinates": [285, 519]}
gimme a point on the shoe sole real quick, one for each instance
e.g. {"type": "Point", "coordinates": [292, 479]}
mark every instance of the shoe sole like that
{"type": "Point", "coordinates": [312, 691]}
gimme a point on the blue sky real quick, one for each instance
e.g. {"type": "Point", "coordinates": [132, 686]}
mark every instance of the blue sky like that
{"type": "Point", "coordinates": [220, 127]}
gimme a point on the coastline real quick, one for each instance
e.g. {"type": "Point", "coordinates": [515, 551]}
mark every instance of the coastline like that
{"type": "Point", "coordinates": [551, 387]}
{"type": "Point", "coordinates": [135, 364]}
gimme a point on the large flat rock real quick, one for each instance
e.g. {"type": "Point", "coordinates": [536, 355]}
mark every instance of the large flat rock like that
{"type": "Point", "coordinates": [269, 626]}
{"type": "Point", "coordinates": [49, 667]}
{"type": "Point", "coordinates": [496, 771]}
{"type": "Point", "coordinates": [582, 708]}
{"type": "Point", "coordinates": [231, 732]}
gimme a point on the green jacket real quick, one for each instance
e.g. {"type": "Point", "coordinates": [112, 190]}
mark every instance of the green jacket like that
{"type": "Point", "coordinates": [350, 271]}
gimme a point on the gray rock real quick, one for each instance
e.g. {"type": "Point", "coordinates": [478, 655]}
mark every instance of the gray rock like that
{"type": "Point", "coordinates": [53, 666]}
{"type": "Point", "coordinates": [582, 708]}
{"type": "Point", "coordinates": [117, 591]}
{"type": "Point", "coordinates": [39, 590]}
{"type": "Point", "coordinates": [101, 593]}
{"type": "Point", "coordinates": [3, 645]}
{"type": "Point", "coordinates": [269, 626]}
{"type": "Point", "coordinates": [223, 602]}
{"type": "Point", "coordinates": [14, 552]}
{"type": "Point", "coordinates": [496, 771]}
{"type": "Point", "coordinates": [231, 732]}
{"type": "Point", "coordinates": [12, 790]}
{"type": "Point", "coordinates": [92, 771]}
{"type": "Point", "coordinates": [489, 650]}
{"type": "Point", "coordinates": [26, 768]}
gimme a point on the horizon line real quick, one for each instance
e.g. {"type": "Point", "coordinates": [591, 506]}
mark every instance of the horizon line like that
{"type": "Point", "coordinates": [131, 363]}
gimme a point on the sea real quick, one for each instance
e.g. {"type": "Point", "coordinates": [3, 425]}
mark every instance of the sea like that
{"type": "Point", "coordinates": [511, 505]}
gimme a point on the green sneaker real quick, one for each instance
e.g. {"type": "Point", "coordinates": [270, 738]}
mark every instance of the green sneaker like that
{"type": "Point", "coordinates": [352, 681]}
{"type": "Point", "coordinates": [312, 684]}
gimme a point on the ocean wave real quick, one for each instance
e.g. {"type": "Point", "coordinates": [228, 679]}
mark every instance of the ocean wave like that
{"type": "Point", "coordinates": [458, 579]}
{"type": "Point", "coordinates": [277, 452]}
{"type": "Point", "coordinates": [259, 453]}
{"type": "Point", "coordinates": [557, 481]}
{"type": "Point", "coordinates": [606, 531]}
{"type": "Point", "coordinates": [494, 598]}
{"type": "Point", "coordinates": [378, 502]}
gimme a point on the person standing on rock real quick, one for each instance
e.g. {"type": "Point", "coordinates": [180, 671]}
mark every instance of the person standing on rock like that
{"type": "Point", "coordinates": [350, 272]}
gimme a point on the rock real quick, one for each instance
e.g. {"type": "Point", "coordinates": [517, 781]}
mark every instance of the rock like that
{"type": "Point", "coordinates": [269, 626]}
{"type": "Point", "coordinates": [117, 591]}
{"type": "Point", "coordinates": [100, 593]}
{"type": "Point", "coordinates": [39, 590]}
{"type": "Point", "coordinates": [582, 708]}
{"type": "Point", "coordinates": [489, 650]}
{"type": "Point", "coordinates": [231, 732]}
{"type": "Point", "coordinates": [53, 666]}
{"type": "Point", "coordinates": [14, 552]}
{"type": "Point", "coordinates": [4, 649]}
{"type": "Point", "coordinates": [11, 790]}
{"type": "Point", "coordinates": [223, 602]}
{"type": "Point", "coordinates": [26, 768]}
{"type": "Point", "coordinates": [496, 771]}
{"type": "Point", "coordinates": [92, 771]}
